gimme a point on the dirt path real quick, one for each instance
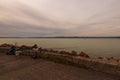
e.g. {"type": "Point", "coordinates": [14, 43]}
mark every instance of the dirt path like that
{"type": "Point", "coordinates": [24, 68]}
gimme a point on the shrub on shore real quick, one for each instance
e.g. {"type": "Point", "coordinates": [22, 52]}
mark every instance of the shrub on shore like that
{"type": "Point", "coordinates": [83, 54]}
{"type": "Point", "coordinates": [6, 45]}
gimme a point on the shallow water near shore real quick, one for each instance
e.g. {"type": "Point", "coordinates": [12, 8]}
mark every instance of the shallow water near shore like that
{"type": "Point", "coordinates": [92, 46]}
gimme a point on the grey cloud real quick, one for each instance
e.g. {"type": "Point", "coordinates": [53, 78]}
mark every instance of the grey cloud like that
{"type": "Point", "coordinates": [104, 21]}
{"type": "Point", "coordinates": [28, 30]}
{"type": "Point", "coordinates": [29, 11]}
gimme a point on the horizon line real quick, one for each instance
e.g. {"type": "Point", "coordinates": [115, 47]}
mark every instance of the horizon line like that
{"type": "Point", "coordinates": [69, 37]}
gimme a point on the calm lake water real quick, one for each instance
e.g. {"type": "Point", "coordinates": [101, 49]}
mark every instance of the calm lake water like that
{"type": "Point", "coordinates": [93, 47]}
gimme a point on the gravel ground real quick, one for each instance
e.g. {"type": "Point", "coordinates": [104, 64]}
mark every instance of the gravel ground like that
{"type": "Point", "coordinates": [25, 68]}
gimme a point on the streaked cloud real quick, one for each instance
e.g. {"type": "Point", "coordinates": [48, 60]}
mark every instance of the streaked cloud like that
{"type": "Point", "coordinates": [59, 18]}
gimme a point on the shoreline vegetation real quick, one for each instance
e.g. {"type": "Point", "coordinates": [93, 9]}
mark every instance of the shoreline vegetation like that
{"type": "Point", "coordinates": [109, 65]}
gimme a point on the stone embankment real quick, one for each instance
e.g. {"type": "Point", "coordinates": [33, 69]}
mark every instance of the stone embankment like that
{"type": "Point", "coordinates": [82, 60]}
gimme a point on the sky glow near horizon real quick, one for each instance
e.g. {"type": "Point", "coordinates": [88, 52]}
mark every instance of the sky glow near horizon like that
{"type": "Point", "coordinates": [47, 18]}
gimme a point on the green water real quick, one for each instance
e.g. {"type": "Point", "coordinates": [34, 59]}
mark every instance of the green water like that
{"type": "Point", "coordinates": [93, 47]}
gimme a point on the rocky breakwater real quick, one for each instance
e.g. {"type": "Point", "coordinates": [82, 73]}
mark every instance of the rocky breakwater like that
{"type": "Point", "coordinates": [107, 65]}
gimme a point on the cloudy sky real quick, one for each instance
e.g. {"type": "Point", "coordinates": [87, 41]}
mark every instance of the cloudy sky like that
{"type": "Point", "coordinates": [46, 18]}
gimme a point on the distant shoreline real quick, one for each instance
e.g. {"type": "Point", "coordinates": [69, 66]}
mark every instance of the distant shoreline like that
{"type": "Point", "coordinates": [61, 37]}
